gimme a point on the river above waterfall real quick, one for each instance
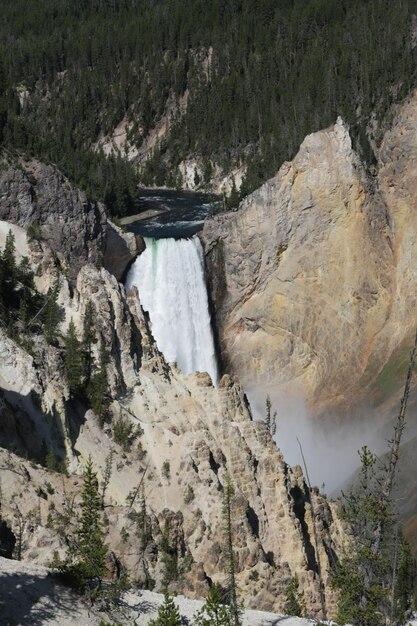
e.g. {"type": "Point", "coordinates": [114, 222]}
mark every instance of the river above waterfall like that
{"type": "Point", "coordinates": [169, 213]}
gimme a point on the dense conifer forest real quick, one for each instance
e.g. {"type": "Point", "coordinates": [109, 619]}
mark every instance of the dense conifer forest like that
{"type": "Point", "coordinates": [258, 74]}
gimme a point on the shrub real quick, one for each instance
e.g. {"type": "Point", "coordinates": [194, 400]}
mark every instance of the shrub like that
{"type": "Point", "coordinates": [295, 603]}
{"type": "Point", "coordinates": [33, 231]}
{"type": "Point", "coordinates": [214, 612]}
{"type": "Point", "coordinates": [166, 470]}
{"type": "Point", "coordinates": [122, 432]}
{"type": "Point", "coordinates": [189, 495]}
{"type": "Point", "coordinates": [168, 613]}
{"type": "Point", "coordinates": [49, 488]}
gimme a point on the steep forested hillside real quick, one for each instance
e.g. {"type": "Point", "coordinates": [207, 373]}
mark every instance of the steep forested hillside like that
{"type": "Point", "coordinates": [256, 76]}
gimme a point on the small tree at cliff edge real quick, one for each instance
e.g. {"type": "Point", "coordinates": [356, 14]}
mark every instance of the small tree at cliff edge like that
{"type": "Point", "coordinates": [228, 495]}
{"type": "Point", "coordinates": [214, 612]}
{"type": "Point", "coordinates": [72, 362]}
{"type": "Point", "coordinates": [84, 564]}
{"type": "Point", "coordinates": [168, 613]}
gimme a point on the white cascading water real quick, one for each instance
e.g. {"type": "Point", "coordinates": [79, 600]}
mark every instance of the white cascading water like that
{"type": "Point", "coordinates": [169, 275]}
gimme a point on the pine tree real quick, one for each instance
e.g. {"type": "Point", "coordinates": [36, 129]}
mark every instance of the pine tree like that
{"type": "Point", "coordinates": [84, 563]}
{"type": "Point", "coordinates": [273, 430]}
{"type": "Point", "coordinates": [270, 420]}
{"type": "Point", "coordinates": [8, 256]}
{"type": "Point", "coordinates": [213, 612]}
{"type": "Point", "coordinates": [72, 362]}
{"type": "Point", "coordinates": [20, 303]}
{"type": "Point", "coordinates": [3, 308]}
{"type": "Point", "coordinates": [145, 523]}
{"type": "Point", "coordinates": [404, 583]}
{"type": "Point", "coordinates": [24, 274]}
{"type": "Point", "coordinates": [50, 459]}
{"type": "Point", "coordinates": [8, 276]}
{"type": "Point", "coordinates": [169, 556]}
{"type": "Point", "coordinates": [168, 613]}
{"type": "Point", "coordinates": [295, 603]}
{"type": "Point", "coordinates": [228, 495]}
{"type": "Point", "coordinates": [90, 548]}
{"type": "Point", "coordinates": [23, 315]}
{"type": "Point", "coordinates": [268, 413]}
{"type": "Point", "coordinates": [98, 388]}
{"type": "Point", "coordinates": [232, 200]}
{"type": "Point", "coordinates": [361, 509]}
{"type": "Point", "coordinates": [106, 477]}
{"type": "Point", "coordinates": [89, 339]}
{"type": "Point", "coordinates": [51, 313]}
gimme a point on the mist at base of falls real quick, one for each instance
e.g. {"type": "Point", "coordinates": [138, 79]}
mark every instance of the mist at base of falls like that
{"type": "Point", "coordinates": [330, 446]}
{"type": "Point", "coordinates": [170, 279]}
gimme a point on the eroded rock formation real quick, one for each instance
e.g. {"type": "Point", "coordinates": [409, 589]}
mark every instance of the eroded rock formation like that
{"type": "Point", "coordinates": [77, 230]}
{"type": "Point", "coordinates": [185, 436]}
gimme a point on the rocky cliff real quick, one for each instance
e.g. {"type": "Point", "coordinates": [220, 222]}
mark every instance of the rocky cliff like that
{"type": "Point", "coordinates": [39, 198]}
{"type": "Point", "coordinates": [312, 279]}
{"type": "Point", "coordinates": [183, 435]}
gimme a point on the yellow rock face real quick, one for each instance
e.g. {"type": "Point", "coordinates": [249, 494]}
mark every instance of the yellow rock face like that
{"type": "Point", "coordinates": [313, 279]}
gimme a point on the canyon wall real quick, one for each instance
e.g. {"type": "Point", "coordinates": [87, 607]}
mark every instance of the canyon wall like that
{"type": "Point", "coordinates": [76, 229]}
{"type": "Point", "coordinates": [184, 437]}
{"type": "Point", "coordinates": [312, 279]}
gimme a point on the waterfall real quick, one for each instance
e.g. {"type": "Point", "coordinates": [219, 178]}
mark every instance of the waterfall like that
{"type": "Point", "coordinates": [170, 278]}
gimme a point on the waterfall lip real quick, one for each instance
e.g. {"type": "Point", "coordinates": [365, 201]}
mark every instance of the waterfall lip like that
{"type": "Point", "coordinates": [183, 213]}
{"type": "Point", "coordinates": [170, 279]}
{"type": "Point", "coordinates": [171, 230]}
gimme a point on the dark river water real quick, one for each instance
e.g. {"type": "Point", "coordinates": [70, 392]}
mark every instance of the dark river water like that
{"type": "Point", "coordinates": [182, 213]}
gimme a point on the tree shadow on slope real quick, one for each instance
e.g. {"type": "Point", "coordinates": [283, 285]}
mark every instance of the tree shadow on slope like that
{"type": "Point", "coordinates": [143, 607]}
{"type": "Point", "coordinates": [29, 599]}
{"type": "Point", "coordinates": [281, 620]}
{"type": "Point", "coordinates": [26, 429]}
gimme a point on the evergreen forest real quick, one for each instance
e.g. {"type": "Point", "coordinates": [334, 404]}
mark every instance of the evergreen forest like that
{"type": "Point", "coordinates": [257, 76]}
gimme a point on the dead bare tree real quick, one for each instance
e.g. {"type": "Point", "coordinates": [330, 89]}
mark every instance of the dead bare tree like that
{"type": "Point", "coordinates": [106, 478]}
{"type": "Point", "coordinates": [394, 447]}
{"type": "Point", "coordinates": [130, 500]}
{"type": "Point", "coordinates": [391, 467]}
{"type": "Point", "coordinates": [316, 539]}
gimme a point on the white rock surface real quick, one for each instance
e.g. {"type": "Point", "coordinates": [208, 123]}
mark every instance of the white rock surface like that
{"type": "Point", "coordinates": [29, 595]}
{"type": "Point", "coordinates": [20, 238]}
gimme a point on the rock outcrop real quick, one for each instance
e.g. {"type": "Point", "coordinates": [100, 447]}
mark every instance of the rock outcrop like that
{"type": "Point", "coordinates": [185, 436]}
{"type": "Point", "coordinates": [181, 437]}
{"type": "Point", "coordinates": [76, 229]}
{"type": "Point", "coordinates": [312, 279]}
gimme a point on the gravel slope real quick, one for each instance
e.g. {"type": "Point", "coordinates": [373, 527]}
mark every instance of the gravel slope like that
{"type": "Point", "coordinates": [29, 596]}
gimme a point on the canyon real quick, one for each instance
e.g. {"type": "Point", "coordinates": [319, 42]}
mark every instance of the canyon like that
{"type": "Point", "coordinates": [185, 435]}
{"type": "Point", "coordinates": [312, 289]}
